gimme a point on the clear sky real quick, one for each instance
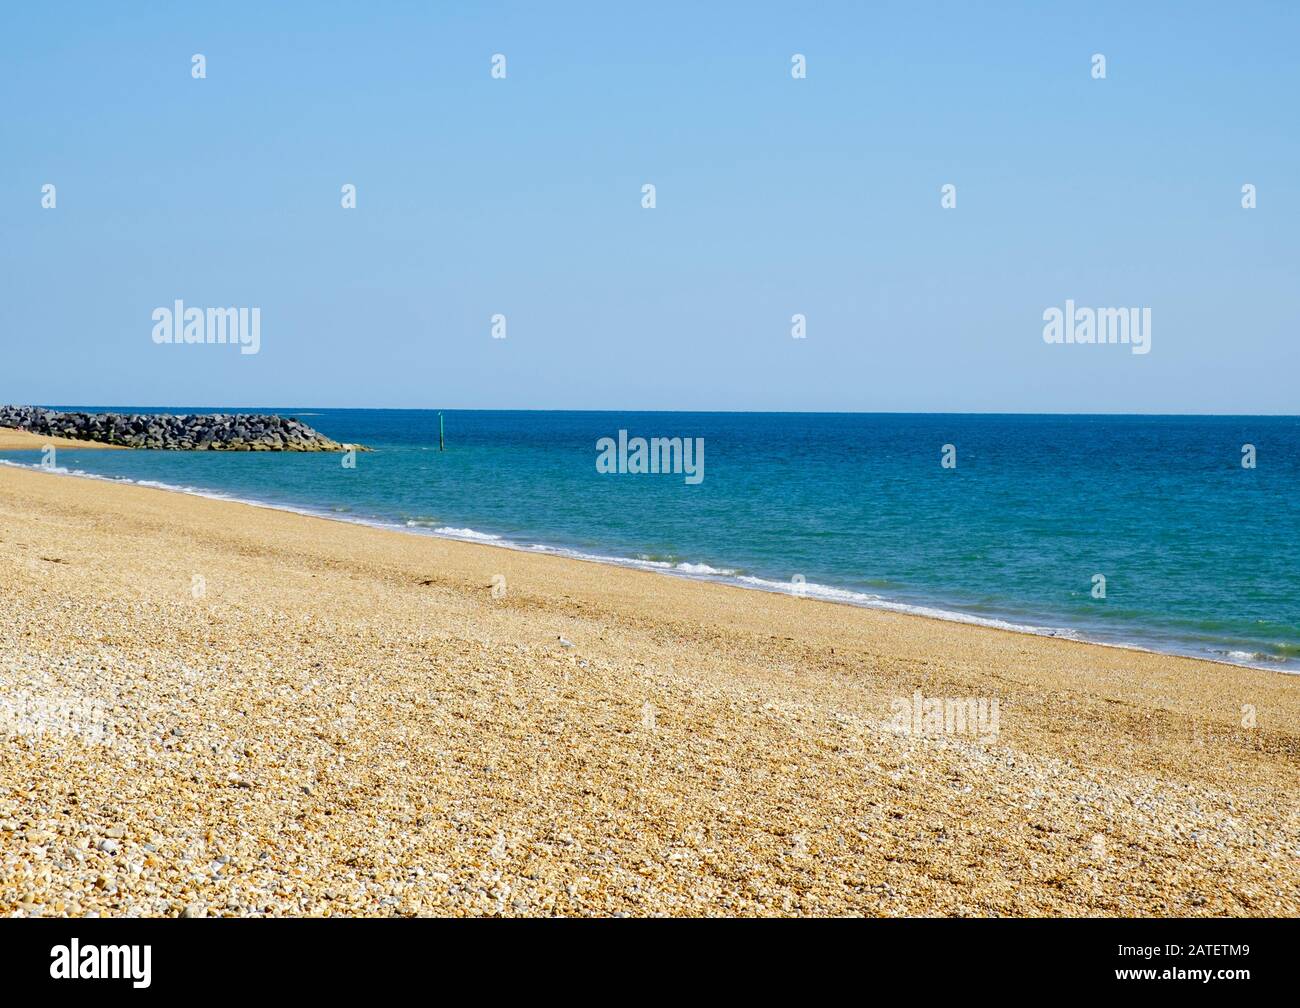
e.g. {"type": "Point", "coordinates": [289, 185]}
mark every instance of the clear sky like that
{"type": "Point", "coordinates": [775, 196]}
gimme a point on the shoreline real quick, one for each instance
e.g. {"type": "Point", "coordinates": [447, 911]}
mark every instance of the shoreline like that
{"type": "Point", "coordinates": [286, 716]}
{"type": "Point", "coordinates": [823, 593]}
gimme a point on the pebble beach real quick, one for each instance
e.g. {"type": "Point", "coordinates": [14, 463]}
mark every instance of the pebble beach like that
{"type": "Point", "coordinates": [214, 709]}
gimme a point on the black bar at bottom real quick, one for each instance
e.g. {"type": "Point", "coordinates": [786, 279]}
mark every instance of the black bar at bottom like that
{"type": "Point", "coordinates": [338, 957]}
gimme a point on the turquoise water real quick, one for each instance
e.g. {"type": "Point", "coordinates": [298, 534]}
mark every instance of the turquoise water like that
{"type": "Point", "coordinates": [1200, 555]}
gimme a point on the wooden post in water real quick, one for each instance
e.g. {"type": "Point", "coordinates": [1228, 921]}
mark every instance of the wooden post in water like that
{"type": "Point", "coordinates": [442, 441]}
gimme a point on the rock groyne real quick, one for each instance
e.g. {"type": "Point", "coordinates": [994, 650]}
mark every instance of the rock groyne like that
{"type": "Point", "coordinates": [168, 432]}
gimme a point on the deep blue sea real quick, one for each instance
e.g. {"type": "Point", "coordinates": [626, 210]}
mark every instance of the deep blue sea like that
{"type": "Point", "coordinates": [1200, 555]}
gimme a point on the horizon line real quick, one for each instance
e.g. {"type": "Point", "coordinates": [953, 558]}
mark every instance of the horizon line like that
{"type": "Point", "coordinates": [775, 412]}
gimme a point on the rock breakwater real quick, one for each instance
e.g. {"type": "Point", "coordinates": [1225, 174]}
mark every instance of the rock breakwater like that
{"type": "Point", "coordinates": [168, 432]}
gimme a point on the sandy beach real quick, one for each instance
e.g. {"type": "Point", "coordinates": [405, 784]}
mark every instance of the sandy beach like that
{"type": "Point", "coordinates": [17, 440]}
{"type": "Point", "coordinates": [208, 708]}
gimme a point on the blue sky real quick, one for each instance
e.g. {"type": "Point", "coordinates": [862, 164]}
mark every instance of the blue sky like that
{"type": "Point", "coordinates": [775, 196]}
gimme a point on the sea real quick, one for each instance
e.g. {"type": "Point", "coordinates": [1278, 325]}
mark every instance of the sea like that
{"type": "Point", "coordinates": [1137, 531]}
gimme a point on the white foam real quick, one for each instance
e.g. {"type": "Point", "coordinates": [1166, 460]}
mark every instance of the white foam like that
{"type": "Point", "coordinates": [465, 533]}
{"type": "Point", "coordinates": [690, 568]}
{"type": "Point", "coordinates": [867, 601]}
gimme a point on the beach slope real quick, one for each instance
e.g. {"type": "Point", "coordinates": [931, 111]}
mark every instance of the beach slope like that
{"type": "Point", "coordinates": [212, 708]}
